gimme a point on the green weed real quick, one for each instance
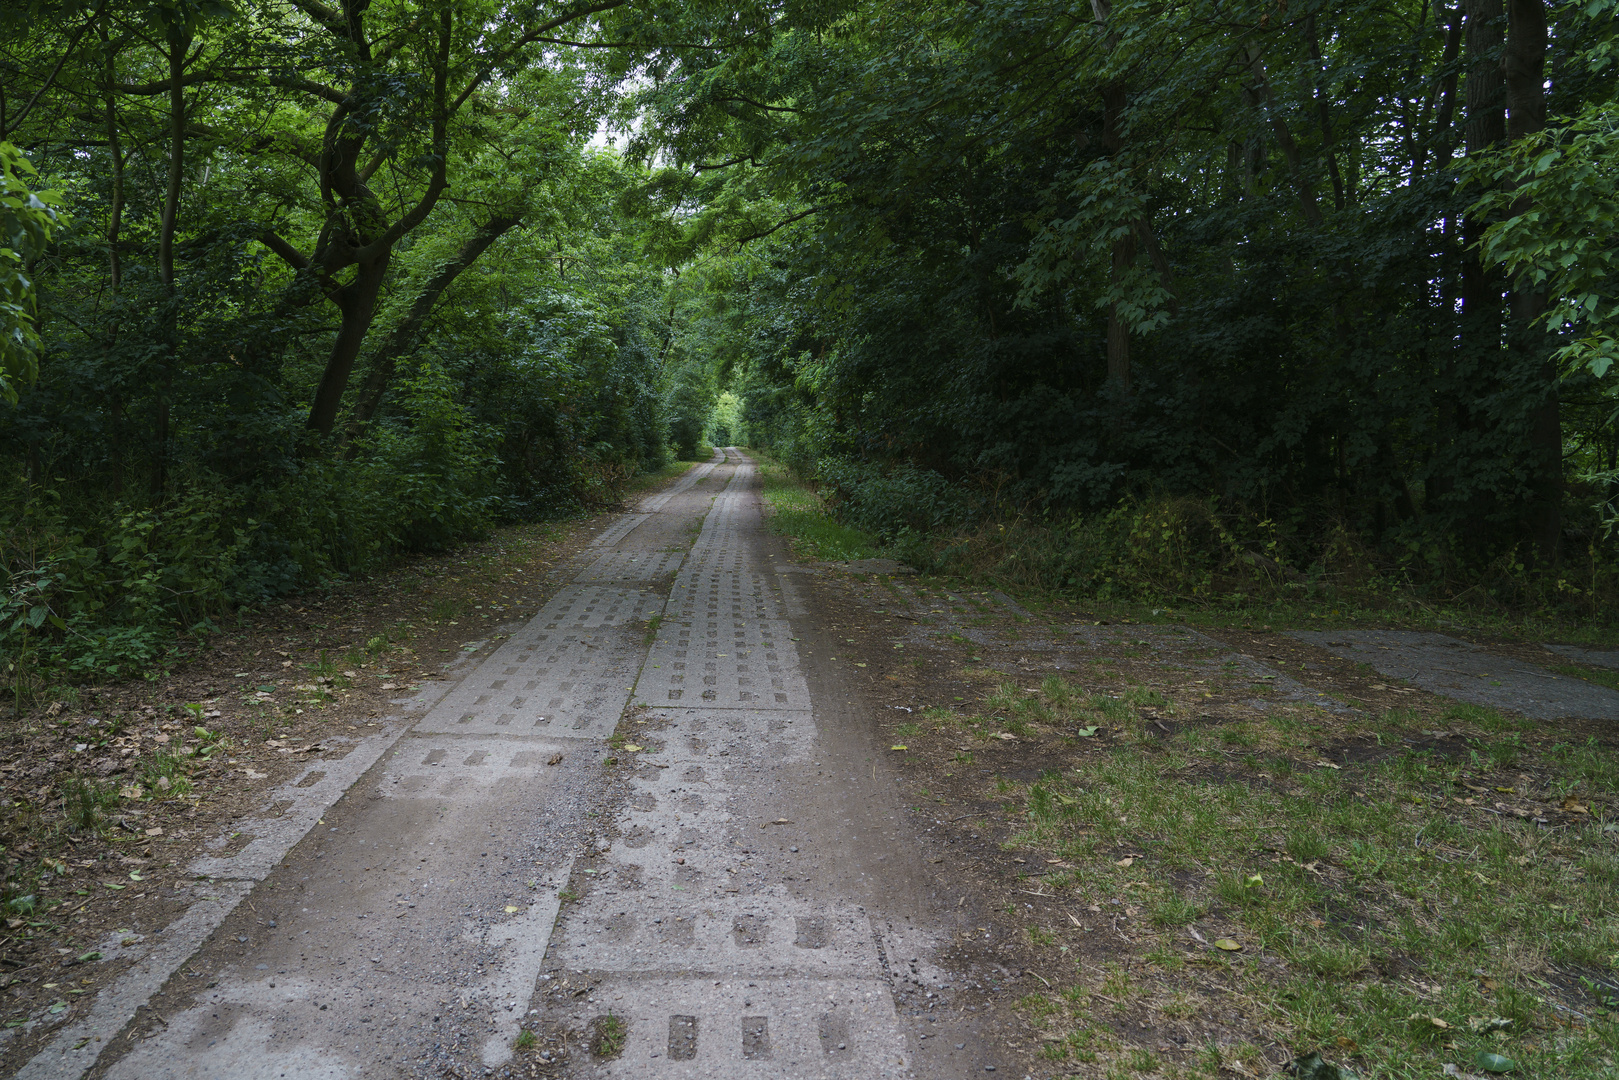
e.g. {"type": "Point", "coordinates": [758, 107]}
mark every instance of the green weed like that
{"type": "Point", "coordinates": [607, 1037]}
{"type": "Point", "coordinates": [85, 803]}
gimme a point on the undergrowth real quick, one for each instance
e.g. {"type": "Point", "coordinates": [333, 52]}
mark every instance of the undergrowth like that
{"type": "Point", "coordinates": [1186, 560]}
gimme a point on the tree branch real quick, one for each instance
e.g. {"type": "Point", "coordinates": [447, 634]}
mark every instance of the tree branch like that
{"type": "Point", "coordinates": [782, 224]}
{"type": "Point", "coordinates": [538, 33]}
{"type": "Point", "coordinates": [55, 71]}
{"type": "Point", "coordinates": [292, 255]}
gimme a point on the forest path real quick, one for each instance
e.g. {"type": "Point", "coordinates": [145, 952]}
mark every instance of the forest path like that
{"type": "Point", "coordinates": [745, 896]}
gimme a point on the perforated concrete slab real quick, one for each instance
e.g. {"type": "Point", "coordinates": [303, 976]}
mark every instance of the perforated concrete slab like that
{"type": "Point", "coordinates": [1456, 669]}
{"type": "Point", "coordinates": [754, 936]}
{"type": "Point", "coordinates": [722, 968]}
{"type": "Point", "coordinates": [725, 663]}
{"type": "Point", "coordinates": [804, 1028]}
{"type": "Point", "coordinates": [433, 766]}
{"type": "Point", "coordinates": [636, 566]}
{"type": "Point", "coordinates": [567, 673]}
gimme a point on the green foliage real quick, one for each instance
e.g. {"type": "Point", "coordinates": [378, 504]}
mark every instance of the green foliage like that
{"type": "Point", "coordinates": [26, 222]}
{"type": "Point", "coordinates": [85, 802]}
{"type": "Point", "coordinates": [689, 402]}
{"type": "Point", "coordinates": [1024, 269]}
{"type": "Point", "coordinates": [798, 513]}
{"type": "Point", "coordinates": [1558, 192]}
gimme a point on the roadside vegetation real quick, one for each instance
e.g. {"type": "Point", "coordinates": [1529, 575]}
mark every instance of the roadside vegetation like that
{"type": "Point", "coordinates": [1152, 572]}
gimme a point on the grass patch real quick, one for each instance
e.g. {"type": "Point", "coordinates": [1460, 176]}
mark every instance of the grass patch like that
{"type": "Point", "coordinates": [1600, 676]}
{"type": "Point", "coordinates": [801, 515]}
{"type": "Point", "coordinates": [1478, 887]}
{"type": "Point", "coordinates": [607, 1035]}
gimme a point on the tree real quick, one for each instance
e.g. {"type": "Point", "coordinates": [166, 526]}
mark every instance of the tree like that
{"type": "Point", "coordinates": [26, 222]}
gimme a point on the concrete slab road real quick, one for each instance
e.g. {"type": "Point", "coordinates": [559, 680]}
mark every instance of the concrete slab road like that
{"type": "Point", "coordinates": [749, 903]}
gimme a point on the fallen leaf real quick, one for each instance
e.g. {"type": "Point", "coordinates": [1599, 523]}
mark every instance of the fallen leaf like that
{"type": "Point", "coordinates": [155, 832]}
{"type": "Point", "coordinates": [556, 759]}
{"type": "Point", "coordinates": [1488, 1023]}
{"type": "Point", "coordinates": [1007, 735]}
{"type": "Point", "coordinates": [632, 748]}
{"type": "Point", "coordinates": [1125, 862]}
{"type": "Point", "coordinates": [1313, 1067]}
{"type": "Point", "coordinates": [1573, 806]}
{"type": "Point", "coordinates": [899, 746]}
{"type": "Point", "coordinates": [1442, 1025]}
{"type": "Point", "coordinates": [1328, 765]}
{"type": "Point", "coordinates": [1086, 732]}
{"type": "Point", "coordinates": [511, 910]}
{"type": "Point", "coordinates": [1197, 937]}
{"type": "Point", "coordinates": [1228, 944]}
{"type": "Point", "coordinates": [131, 791]}
{"type": "Point", "coordinates": [1490, 1061]}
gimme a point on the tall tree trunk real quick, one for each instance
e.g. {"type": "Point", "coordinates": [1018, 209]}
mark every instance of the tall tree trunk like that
{"type": "Point", "coordinates": [1308, 205]}
{"type": "Point", "coordinates": [115, 210]}
{"type": "Point", "coordinates": [1123, 254]}
{"type": "Point", "coordinates": [402, 338]}
{"type": "Point", "coordinates": [1480, 330]}
{"type": "Point", "coordinates": [1446, 92]}
{"type": "Point", "coordinates": [361, 235]}
{"type": "Point", "coordinates": [357, 305]}
{"type": "Point", "coordinates": [179, 41]}
{"type": "Point", "coordinates": [1323, 112]}
{"type": "Point", "coordinates": [1524, 66]}
{"type": "Point", "coordinates": [115, 263]}
{"type": "Point", "coordinates": [1118, 333]}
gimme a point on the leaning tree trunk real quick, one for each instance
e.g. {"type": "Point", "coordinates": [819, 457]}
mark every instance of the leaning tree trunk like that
{"type": "Point", "coordinates": [403, 337]}
{"type": "Point", "coordinates": [357, 305]}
